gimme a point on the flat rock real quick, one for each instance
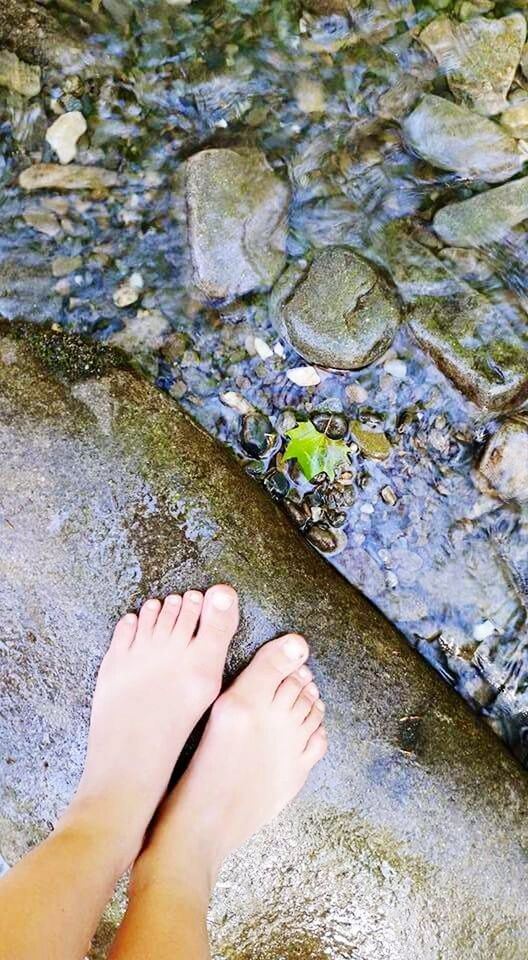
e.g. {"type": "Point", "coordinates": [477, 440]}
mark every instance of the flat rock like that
{"type": "Point", "coordinates": [460, 334]}
{"type": "Point", "coordinates": [410, 838]}
{"type": "Point", "coordinates": [237, 218]}
{"type": "Point", "coordinates": [19, 76]}
{"type": "Point", "coordinates": [450, 136]}
{"type": "Point", "coordinates": [479, 57]}
{"type": "Point", "coordinates": [503, 468]}
{"type": "Point", "coordinates": [55, 176]}
{"type": "Point", "coordinates": [336, 312]}
{"type": "Point", "coordinates": [484, 218]}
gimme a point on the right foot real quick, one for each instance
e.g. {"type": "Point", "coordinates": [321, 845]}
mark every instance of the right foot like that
{"type": "Point", "coordinates": [264, 735]}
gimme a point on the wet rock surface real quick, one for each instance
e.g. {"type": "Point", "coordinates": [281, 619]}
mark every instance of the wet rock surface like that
{"type": "Point", "coordinates": [479, 57]}
{"type": "Point", "coordinates": [484, 218]}
{"type": "Point", "coordinates": [452, 137]}
{"type": "Point", "coordinates": [504, 464]}
{"type": "Point", "coordinates": [338, 312]}
{"type": "Point", "coordinates": [415, 824]}
{"type": "Point", "coordinates": [237, 223]}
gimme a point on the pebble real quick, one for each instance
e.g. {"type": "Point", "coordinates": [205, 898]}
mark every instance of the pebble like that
{"type": "Point", "coordinates": [304, 376]}
{"type": "Point", "coordinates": [356, 393]}
{"type": "Point", "coordinates": [333, 425]}
{"type": "Point", "coordinates": [42, 220]}
{"type": "Point", "coordinates": [129, 291]}
{"type": "Point", "coordinates": [262, 348]}
{"type": "Point", "coordinates": [371, 443]}
{"type": "Point", "coordinates": [256, 434]}
{"type": "Point", "coordinates": [321, 538]}
{"type": "Point", "coordinates": [54, 176]}
{"type": "Point", "coordinates": [396, 368]}
{"type": "Point", "coordinates": [236, 402]}
{"type": "Point", "coordinates": [64, 133]}
{"type": "Point", "coordinates": [388, 495]}
{"type": "Point", "coordinates": [62, 266]}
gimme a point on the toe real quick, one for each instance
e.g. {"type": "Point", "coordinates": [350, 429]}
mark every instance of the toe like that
{"type": "Point", "coordinates": [271, 665]}
{"type": "Point", "coordinates": [305, 702]}
{"type": "Point", "coordinates": [168, 616]}
{"type": "Point", "coordinates": [124, 633]}
{"type": "Point", "coordinates": [147, 618]}
{"type": "Point", "coordinates": [316, 747]}
{"type": "Point", "coordinates": [188, 617]}
{"type": "Point", "coordinates": [218, 622]}
{"type": "Point", "coordinates": [289, 689]}
{"type": "Point", "coordinates": [313, 720]}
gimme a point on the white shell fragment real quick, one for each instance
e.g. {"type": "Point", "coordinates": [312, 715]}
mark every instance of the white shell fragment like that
{"type": "Point", "coordinates": [64, 133]}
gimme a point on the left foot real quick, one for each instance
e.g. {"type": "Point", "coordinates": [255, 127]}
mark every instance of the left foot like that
{"type": "Point", "coordinates": [162, 671]}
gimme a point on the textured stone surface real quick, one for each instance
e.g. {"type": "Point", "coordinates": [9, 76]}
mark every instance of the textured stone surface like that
{"type": "Point", "coordinates": [503, 468]}
{"type": "Point", "coordinates": [29, 30]}
{"type": "Point", "coordinates": [452, 137]}
{"type": "Point", "coordinates": [337, 312]}
{"type": "Point", "coordinates": [410, 839]}
{"type": "Point", "coordinates": [54, 176]}
{"type": "Point", "coordinates": [18, 76]}
{"type": "Point", "coordinates": [237, 212]}
{"type": "Point", "coordinates": [479, 57]}
{"type": "Point", "coordinates": [484, 218]}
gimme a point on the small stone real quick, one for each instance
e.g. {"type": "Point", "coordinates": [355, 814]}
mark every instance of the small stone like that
{"type": "Point", "coordinates": [262, 348]}
{"type": "Point", "coordinates": [481, 631]}
{"type": "Point", "coordinates": [42, 220]}
{"type": "Point", "coordinates": [62, 266]}
{"type": "Point", "coordinates": [174, 347]}
{"type": "Point", "coordinates": [303, 376]}
{"type": "Point", "coordinates": [503, 469]}
{"type": "Point", "coordinates": [236, 402]}
{"type": "Point", "coordinates": [310, 95]}
{"type": "Point", "coordinates": [277, 484]}
{"type": "Point", "coordinates": [54, 176]}
{"type": "Point", "coordinates": [64, 133]}
{"type": "Point", "coordinates": [484, 218]}
{"type": "Point", "coordinates": [397, 368]}
{"type": "Point", "coordinates": [337, 312]}
{"type": "Point", "coordinates": [333, 425]}
{"type": "Point", "coordinates": [452, 137]}
{"type": "Point", "coordinates": [143, 332]}
{"type": "Point", "coordinates": [356, 393]}
{"type": "Point", "coordinates": [18, 76]}
{"type": "Point", "coordinates": [237, 220]}
{"type": "Point", "coordinates": [129, 291]}
{"type": "Point", "coordinates": [321, 538]}
{"type": "Point", "coordinates": [371, 442]}
{"type": "Point", "coordinates": [479, 57]}
{"type": "Point", "coordinates": [388, 495]}
{"type": "Point", "coordinates": [256, 435]}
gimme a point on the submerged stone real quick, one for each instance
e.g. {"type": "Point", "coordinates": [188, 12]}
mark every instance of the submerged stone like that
{"type": "Point", "coordinates": [480, 346]}
{"type": "Point", "coordinates": [452, 137]}
{"type": "Point", "coordinates": [372, 443]}
{"type": "Point", "coordinates": [64, 133]}
{"type": "Point", "coordinates": [503, 468]}
{"type": "Point", "coordinates": [55, 176]}
{"type": "Point", "coordinates": [484, 218]}
{"type": "Point", "coordinates": [515, 119]}
{"type": "Point", "coordinates": [19, 76]}
{"type": "Point", "coordinates": [237, 218]}
{"type": "Point", "coordinates": [338, 312]}
{"type": "Point", "coordinates": [479, 57]}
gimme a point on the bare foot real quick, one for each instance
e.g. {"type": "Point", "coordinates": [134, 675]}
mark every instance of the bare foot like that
{"type": "Point", "coordinates": [263, 737]}
{"type": "Point", "coordinates": [162, 671]}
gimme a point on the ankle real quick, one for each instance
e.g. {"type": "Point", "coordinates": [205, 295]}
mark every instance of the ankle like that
{"type": "Point", "coordinates": [182, 872]}
{"type": "Point", "coordinates": [96, 823]}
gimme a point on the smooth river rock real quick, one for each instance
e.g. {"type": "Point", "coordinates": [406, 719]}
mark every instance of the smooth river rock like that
{"type": "Point", "coordinates": [484, 218]}
{"type": "Point", "coordinates": [503, 468]}
{"type": "Point", "coordinates": [479, 57]}
{"type": "Point", "coordinates": [55, 176]}
{"type": "Point", "coordinates": [452, 137]}
{"type": "Point", "coordinates": [237, 218]}
{"type": "Point", "coordinates": [64, 133]}
{"type": "Point", "coordinates": [337, 311]}
{"type": "Point", "coordinates": [410, 839]}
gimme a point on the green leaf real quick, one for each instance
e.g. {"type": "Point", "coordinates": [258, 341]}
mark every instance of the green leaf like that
{"type": "Point", "coordinates": [314, 451]}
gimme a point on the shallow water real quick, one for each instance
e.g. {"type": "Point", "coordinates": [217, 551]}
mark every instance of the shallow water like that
{"type": "Point", "coordinates": [445, 561]}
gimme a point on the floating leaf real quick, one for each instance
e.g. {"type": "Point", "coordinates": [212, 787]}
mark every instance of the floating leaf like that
{"type": "Point", "coordinates": [314, 451]}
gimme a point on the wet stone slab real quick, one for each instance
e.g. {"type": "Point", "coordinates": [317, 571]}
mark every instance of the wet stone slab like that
{"type": "Point", "coordinates": [410, 839]}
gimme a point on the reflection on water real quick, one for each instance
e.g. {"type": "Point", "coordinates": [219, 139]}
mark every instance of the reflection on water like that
{"type": "Point", "coordinates": [400, 129]}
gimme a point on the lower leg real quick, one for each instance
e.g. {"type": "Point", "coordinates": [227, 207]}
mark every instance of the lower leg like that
{"type": "Point", "coordinates": [263, 737]}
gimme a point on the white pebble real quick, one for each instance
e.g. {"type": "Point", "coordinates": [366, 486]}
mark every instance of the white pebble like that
{"type": "Point", "coordinates": [237, 402]}
{"type": "Point", "coordinates": [128, 292]}
{"type": "Point", "coordinates": [483, 630]}
{"type": "Point", "coordinates": [279, 349]}
{"type": "Point", "coordinates": [396, 368]}
{"type": "Point", "coordinates": [367, 508]}
{"type": "Point", "coordinates": [262, 348]}
{"type": "Point", "coordinates": [304, 376]}
{"type": "Point", "coordinates": [64, 133]}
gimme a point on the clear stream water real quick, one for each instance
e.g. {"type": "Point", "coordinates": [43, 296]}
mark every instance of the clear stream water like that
{"type": "Point", "coordinates": [445, 561]}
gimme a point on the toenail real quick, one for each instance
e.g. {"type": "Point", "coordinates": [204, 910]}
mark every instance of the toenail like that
{"type": "Point", "coordinates": [304, 673]}
{"type": "Point", "coordinates": [173, 599]}
{"type": "Point", "coordinates": [320, 705]}
{"type": "Point", "coordinates": [194, 596]}
{"type": "Point", "coordinates": [221, 599]}
{"type": "Point", "coordinates": [293, 648]}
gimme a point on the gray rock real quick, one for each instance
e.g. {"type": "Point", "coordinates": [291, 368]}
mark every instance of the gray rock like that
{"type": "Point", "coordinates": [515, 119]}
{"type": "Point", "coordinates": [479, 57]}
{"type": "Point", "coordinates": [452, 137]}
{"type": "Point", "coordinates": [484, 218]}
{"type": "Point", "coordinates": [19, 76]}
{"type": "Point", "coordinates": [412, 842]}
{"type": "Point", "coordinates": [237, 216]}
{"type": "Point", "coordinates": [503, 468]}
{"type": "Point", "coordinates": [415, 269]}
{"type": "Point", "coordinates": [477, 344]}
{"type": "Point", "coordinates": [338, 312]}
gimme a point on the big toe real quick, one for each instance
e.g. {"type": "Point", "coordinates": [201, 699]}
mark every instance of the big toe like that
{"type": "Point", "coordinates": [271, 665]}
{"type": "Point", "coordinates": [218, 623]}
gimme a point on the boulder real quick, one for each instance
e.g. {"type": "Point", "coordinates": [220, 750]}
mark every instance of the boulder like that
{"type": "Point", "coordinates": [337, 312]}
{"type": "Point", "coordinates": [484, 218]}
{"type": "Point", "coordinates": [479, 57]}
{"type": "Point", "coordinates": [452, 137]}
{"type": "Point", "coordinates": [503, 468]}
{"type": "Point", "coordinates": [410, 838]}
{"type": "Point", "coordinates": [237, 219]}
